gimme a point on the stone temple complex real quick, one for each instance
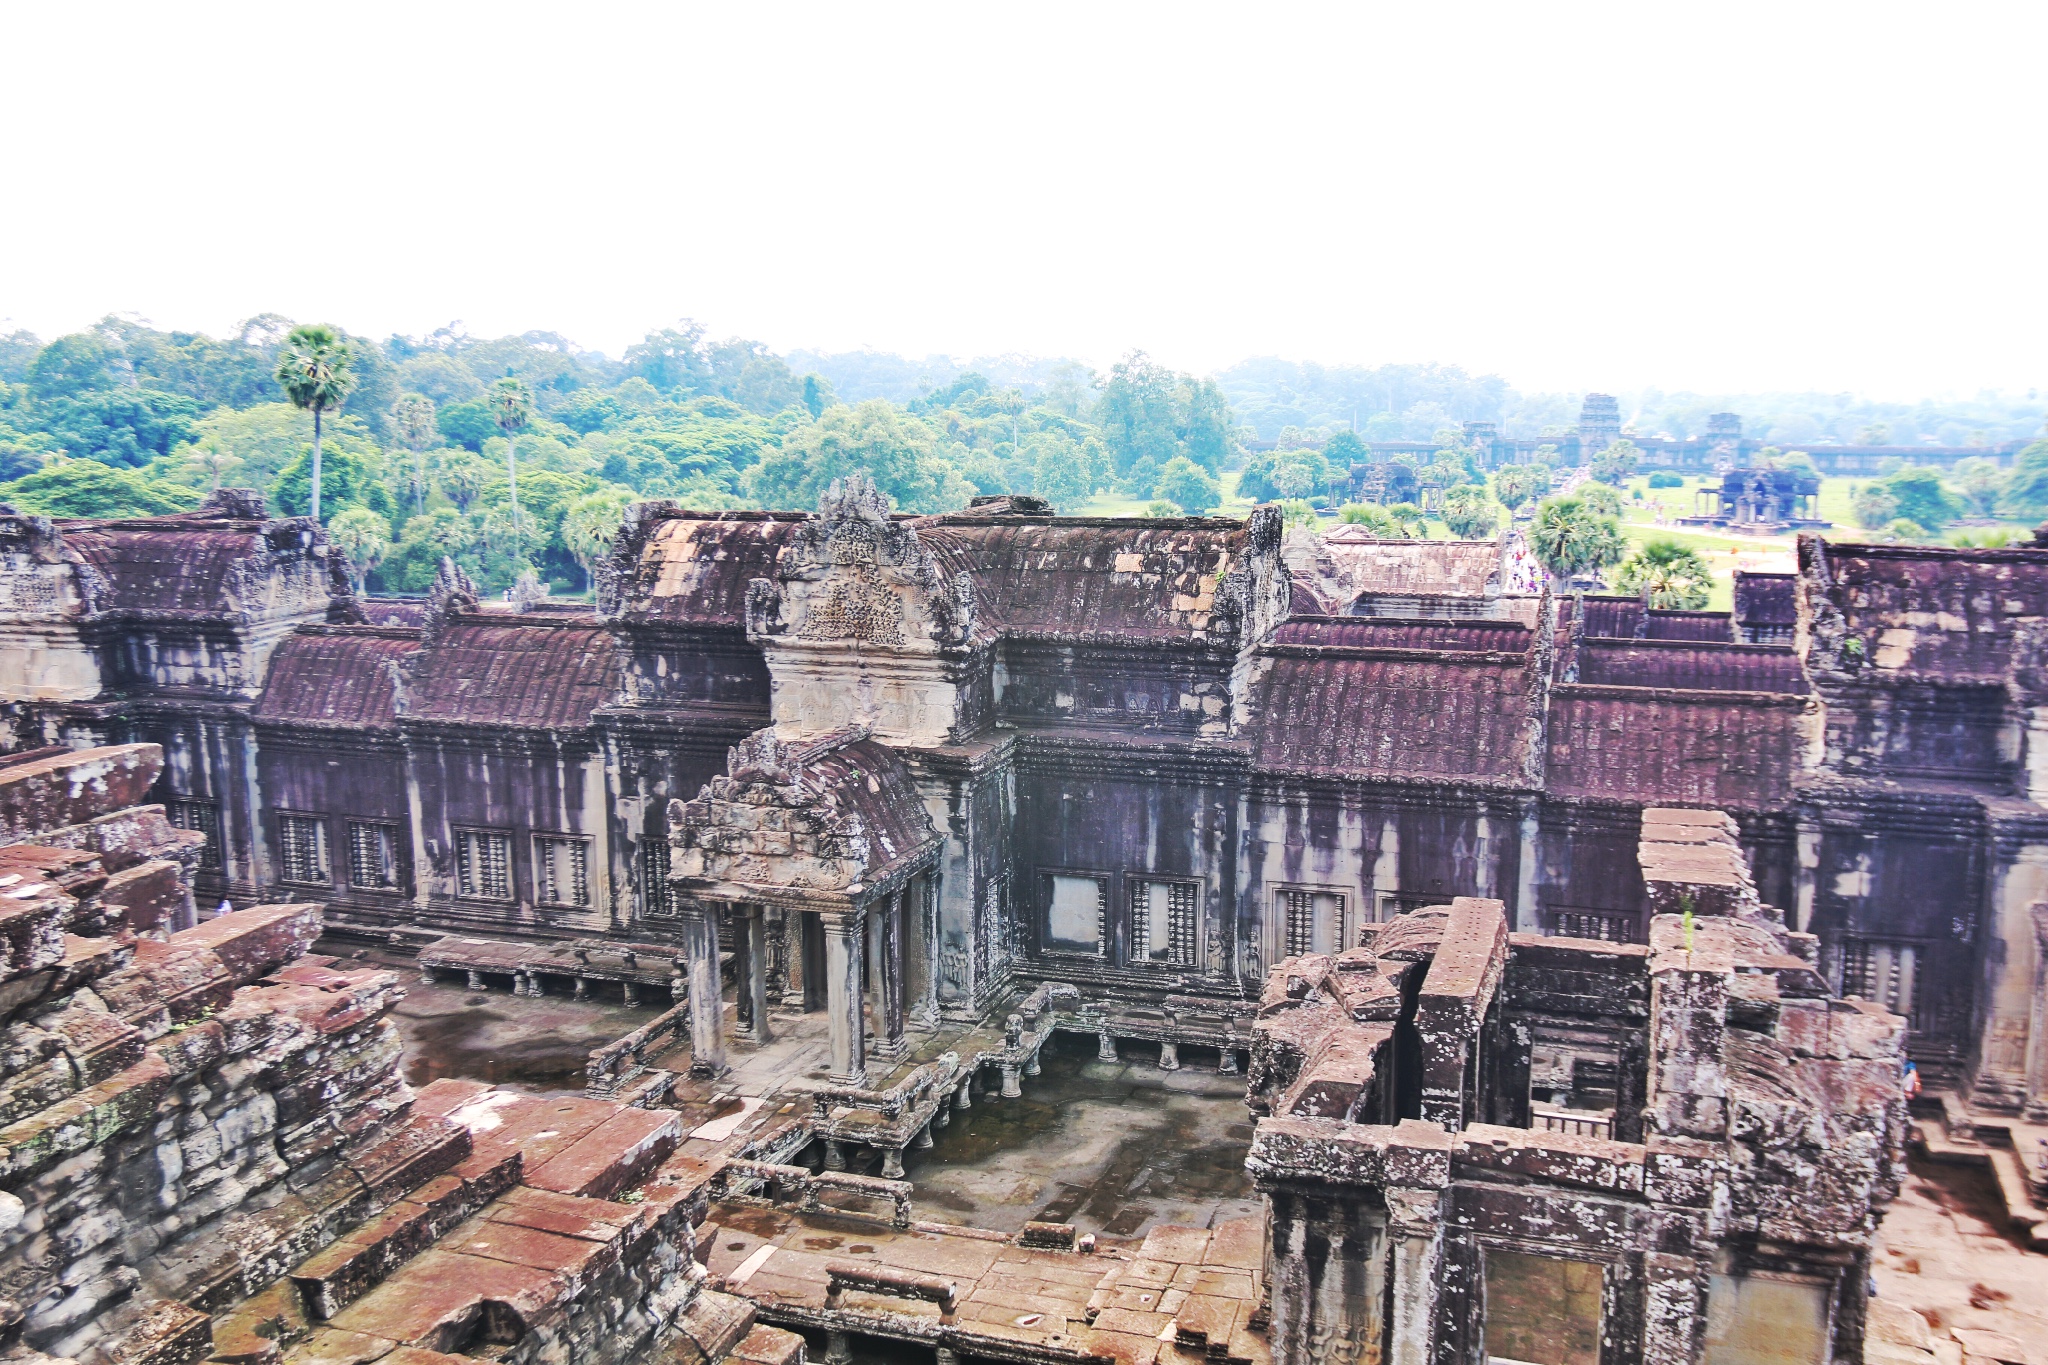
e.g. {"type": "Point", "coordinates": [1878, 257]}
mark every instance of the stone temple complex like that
{"type": "Point", "coordinates": [1567, 953]}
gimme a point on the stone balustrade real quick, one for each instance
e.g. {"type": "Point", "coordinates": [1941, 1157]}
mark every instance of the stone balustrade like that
{"type": "Point", "coordinates": [763, 1182]}
{"type": "Point", "coordinates": [612, 1067]}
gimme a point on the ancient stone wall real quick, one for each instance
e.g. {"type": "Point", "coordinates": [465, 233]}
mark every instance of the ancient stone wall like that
{"type": "Point", "coordinates": [208, 1150]}
{"type": "Point", "coordinates": [1597, 1147]}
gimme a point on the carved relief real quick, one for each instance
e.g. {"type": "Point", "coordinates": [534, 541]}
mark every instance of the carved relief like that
{"type": "Point", "coordinates": [855, 573]}
{"type": "Point", "coordinates": [857, 607]}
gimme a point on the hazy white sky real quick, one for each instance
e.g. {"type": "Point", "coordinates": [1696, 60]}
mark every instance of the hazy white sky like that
{"type": "Point", "coordinates": [1707, 196]}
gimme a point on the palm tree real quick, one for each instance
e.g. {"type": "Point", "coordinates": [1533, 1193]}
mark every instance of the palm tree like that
{"type": "Point", "coordinates": [1671, 575]}
{"type": "Point", "coordinates": [1468, 511]}
{"type": "Point", "coordinates": [511, 404]}
{"type": "Point", "coordinates": [413, 416]}
{"type": "Point", "coordinates": [365, 537]}
{"type": "Point", "coordinates": [313, 368]}
{"type": "Point", "coordinates": [592, 524]}
{"type": "Point", "coordinates": [1569, 538]}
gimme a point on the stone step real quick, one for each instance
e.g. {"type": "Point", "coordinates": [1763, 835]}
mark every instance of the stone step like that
{"type": "Point", "coordinates": [2014, 1191]}
{"type": "Point", "coordinates": [350, 1268]}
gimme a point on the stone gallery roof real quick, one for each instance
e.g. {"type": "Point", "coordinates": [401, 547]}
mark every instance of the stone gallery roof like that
{"type": "Point", "coordinates": [1942, 614]}
{"type": "Point", "coordinates": [1417, 715]}
{"type": "Point", "coordinates": [868, 779]}
{"type": "Point", "coordinates": [1693, 747]}
{"type": "Point", "coordinates": [1708, 627]}
{"type": "Point", "coordinates": [394, 611]}
{"type": "Point", "coordinates": [1304, 599]}
{"type": "Point", "coordinates": [1460, 567]}
{"type": "Point", "coordinates": [836, 816]}
{"type": "Point", "coordinates": [1767, 599]}
{"type": "Point", "coordinates": [336, 676]}
{"type": "Point", "coordinates": [202, 565]}
{"type": "Point", "coordinates": [1625, 618]}
{"type": "Point", "coordinates": [1394, 632]}
{"type": "Point", "coordinates": [1151, 578]}
{"type": "Point", "coordinates": [528, 671]}
{"type": "Point", "coordinates": [692, 568]}
{"type": "Point", "coordinates": [1685, 664]}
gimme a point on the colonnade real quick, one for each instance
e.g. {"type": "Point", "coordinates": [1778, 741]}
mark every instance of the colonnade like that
{"type": "Point", "coordinates": [879, 973]}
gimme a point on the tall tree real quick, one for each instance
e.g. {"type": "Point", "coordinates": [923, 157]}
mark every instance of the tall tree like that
{"type": "Point", "coordinates": [1188, 486]}
{"type": "Point", "coordinates": [1569, 538]}
{"type": "Point", "coordinates": [1614, 464]}
{"type": "Point", "coordinates": [1515, 484]}
{"type": "Point", "coordinates": [412, 417]}
{"type": "Point", "coordinates": [365, 537]}
{"type": "Point", "coordinates": [592, 524]}
{"type": "Point", "coordinates": [313, 368]}
{"type": "Point", "coordinates": [1137, 414]}
{"type": "Point", "coordinates": [1469, 512]}
{"type": "Point", "coordinates": [1672, 576]}
{"type": "Point", "coordinates": [511, 404]}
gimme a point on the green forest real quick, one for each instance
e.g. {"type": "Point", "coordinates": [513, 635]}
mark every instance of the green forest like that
{"type": "Point", "coordinates": [521, 452]}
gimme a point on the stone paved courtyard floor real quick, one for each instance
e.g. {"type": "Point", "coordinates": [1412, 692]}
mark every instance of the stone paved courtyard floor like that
{"type": "Point", "coordinates": [1945, 1254]}
{"type": "Point", "coordinates": [1116, 1149]}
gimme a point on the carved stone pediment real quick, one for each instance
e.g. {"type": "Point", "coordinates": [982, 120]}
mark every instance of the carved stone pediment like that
{"type": "Point", "coordinates": [830, 815]}
{"type": "Point", "coordinates": [856, 575]}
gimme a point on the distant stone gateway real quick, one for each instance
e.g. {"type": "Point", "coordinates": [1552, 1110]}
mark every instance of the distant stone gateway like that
{"type": "Point", "coordinates": [1571, 951]}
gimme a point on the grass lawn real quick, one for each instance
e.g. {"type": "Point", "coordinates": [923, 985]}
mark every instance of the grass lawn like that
{"type": "Point", "coordinates": [1111, 505]}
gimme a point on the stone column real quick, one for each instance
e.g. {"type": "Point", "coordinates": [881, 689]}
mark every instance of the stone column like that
{"type": "Point", "coordinates": [742, 968]}
{"type": "Point", "coordinates": [1326, 1271]}
{"type": "Point", "coordinates": [793, 960]}
{"type": "Point", "coordinates": [2007, 1076]}
{"type": "Point", "coordinates": [1525, 914]}
{"type": "Point", "coordinates": [1105, 1047]}
{"type": "Point", "coordinates": [871, 964]}
{"type": "Point", "coordinates": [771, 931]}
{"type": "Point", "coordinates": [2037, 1045]}
{"type": "Point", "coordinates": [888, 939]}
{"type": "Point", "coordinates": [1805, 871]}
{"type": "Point", "coordinates": [1675, 1309]}
{"type": "Point", "coordinates": [843, 1002]}
{"type": "Point", "coordinates": [1169, 1055]}
{"type": "Point", "coordinates": [707, 1021]}
{"type": "Point", "coordinates": [921, 952]}
{"type": "Point", "coordinates": [1416, 1231]}
{"type": "Point", "coordinates": [750, 946]}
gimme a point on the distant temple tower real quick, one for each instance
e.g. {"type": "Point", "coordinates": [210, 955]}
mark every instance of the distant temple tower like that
{"type": "Point", "coordinates": [1724, 439]}
{"type": "Point", "coordinates": [1483, 439]}
{"type": "Point", "coordinates": [1599, 424]}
